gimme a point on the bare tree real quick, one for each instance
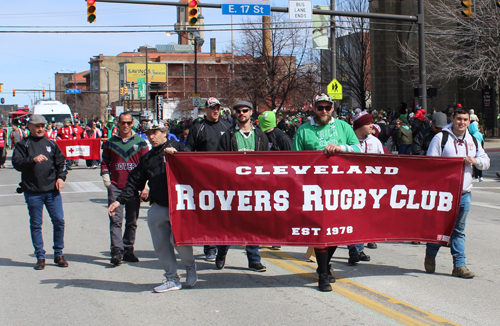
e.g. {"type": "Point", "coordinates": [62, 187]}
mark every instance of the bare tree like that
{"type": "Point", "coordinates": [353, 49]}
{"type": "Point", "coordinates": [457, 47]}
{"type": "Point", "coordinates": [269, 76]}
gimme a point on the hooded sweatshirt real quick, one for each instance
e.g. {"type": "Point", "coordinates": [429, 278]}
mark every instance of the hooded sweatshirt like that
{"type": "Point", "coordinates": [455, 147]}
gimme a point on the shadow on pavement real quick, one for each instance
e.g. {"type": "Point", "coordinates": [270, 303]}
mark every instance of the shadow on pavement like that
{"type": "Point", "coordinates": [13, 263]}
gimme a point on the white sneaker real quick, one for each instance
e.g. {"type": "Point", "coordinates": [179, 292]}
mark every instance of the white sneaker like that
{"type": "Point", "coordinates": [481, 179]}
{"type": "Point", "coordinates": [191, 276]}
{"type": "Point", "coordinates": [168, 286]}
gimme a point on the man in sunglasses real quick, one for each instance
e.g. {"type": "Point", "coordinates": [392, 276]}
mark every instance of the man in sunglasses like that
{"type": "Point", "coordinates": [243, 137]}
{"type": "Point", "coordinates": [331, 136]}
{"type": "Point", "coordinates": [205, 136]}
{"type": "Point", "coordinates": [120, 155]}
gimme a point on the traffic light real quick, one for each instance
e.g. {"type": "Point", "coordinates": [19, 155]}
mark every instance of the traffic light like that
{"type": "Point", "coordinates": [193, 12]}
{"type": "Point", "coordinates": [14, 93]}
{"type": "Point", "coordinates": [121, 91]}
{"type": "Point", "coordinates": [43, 92]}
{"type": "Point", "coordinates": [91, 11]}
{"type": "Point", "coordinates": [125, 90]}
{"type": "Point", "coordinates": [1, 88]}
{"type": "Point", "coordinates": [498, 4]}
{"type": "Point", "coordinates": [467, 12]}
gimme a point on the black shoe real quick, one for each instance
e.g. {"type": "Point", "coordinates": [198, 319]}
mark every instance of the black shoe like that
{"type": "Point", "coordinates": [130, 256]}
{"type": "Point", "coordinates": [324, 283]}
{"type": "Point", "coordinates": [275, 247]}
{"type": "Point", "coordinates": [258, 267]}
{"type": "Point", "coordinates": [353, 259]}
{"type": "Point", "coordinates": [220, 262]}
{"type": "Point", "coordinates": [364, 257]}
{"type": "Point", "coordinates": [371, 245]}
{"type": "Point", "coordinates": [330, 276]}
{"type": "Point", "coordinates": [116, 257]}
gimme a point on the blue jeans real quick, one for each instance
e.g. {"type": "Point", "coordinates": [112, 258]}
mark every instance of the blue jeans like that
{"type": "Point", "coordinates": [252, 253]}
{"type": "Point", "coordinates": [457, 239]}
{"type": "Point", "coordinates": [53, 202]}
{"type": "Point", "coordinates": [355, 249]}
{"type": "Point", "coordinates": [405, 149]}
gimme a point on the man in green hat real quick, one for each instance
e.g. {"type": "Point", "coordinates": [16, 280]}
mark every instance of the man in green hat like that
{"type": "Point", "coordinates": [109, 130]}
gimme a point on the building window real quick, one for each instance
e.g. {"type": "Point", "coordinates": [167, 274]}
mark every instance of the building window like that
{"type": "Point", "coordinates": [209, 67]}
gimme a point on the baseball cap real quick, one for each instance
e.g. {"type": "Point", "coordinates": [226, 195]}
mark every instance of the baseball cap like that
{"type": "Point", "coordinates": [37, 119]}
{"type": "Point", "coordinates": [322, 97]}
{"type": "Point", "coordinates": [212, 102]}
{"type": "Point", "coordinates": [154, 125]}
{"type": "Point", "coordinates": [439, 120]}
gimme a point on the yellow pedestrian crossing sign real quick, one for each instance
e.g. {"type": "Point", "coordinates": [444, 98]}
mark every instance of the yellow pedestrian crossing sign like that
{"type": "Point", "coordinates": [335, 90]}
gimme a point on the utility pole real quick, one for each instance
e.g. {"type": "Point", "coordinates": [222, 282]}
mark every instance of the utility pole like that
{"type": "Point", "coordinates": [147, 88]}
{"type": "Point", "coordinates": [333, 44]}
{"type": "Point", "coordinates": [421, 56]}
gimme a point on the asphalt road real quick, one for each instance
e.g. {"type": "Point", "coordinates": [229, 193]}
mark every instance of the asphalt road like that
{"type": "Point", "coordinates": [392, 289]}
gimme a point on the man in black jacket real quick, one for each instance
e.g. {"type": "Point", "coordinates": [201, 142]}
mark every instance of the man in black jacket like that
{"type": "Point", "coordinates": [205, 136]}
{"type": "Point", "coordinates": [243, 137]}
{"type": "Point", "coordinates": [152, 169]}
{"type": "Point", "coordinates": [423, 138]}
{"type": "Point", "coordinates": [43, 172]}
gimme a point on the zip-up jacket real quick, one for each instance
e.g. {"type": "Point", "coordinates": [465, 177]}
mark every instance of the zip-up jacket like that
{"type": "Point", "coordinates": [228, 142]}
{"type": "Point", "coordinates": [205, 135]}
{"type": "Point", "coordinates": [39, 177]}
{"type": "Point", "coordinates": [455, 147]}
{"type": "Point", "coordinates": [278, 140]}
{"type": "Point", "coordinates": [422, 141]}
{"type": "Point", "coordinates": [151, 168]}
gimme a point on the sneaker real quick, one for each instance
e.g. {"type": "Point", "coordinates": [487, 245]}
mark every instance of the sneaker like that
{"type": "Point", "coordinates": [275, 247]}
{"type": "Point", "coordinates": [371, 245]}
{"type": "Point", "coordinates": [191, 276]}
{"type": "Point", "coordinates": [475, 180]}
{"type": "Point", "coordinates": [462, 272]}
{"type": "Point", "coordinates": [430, 264]}
{"type": "Point", "coordinates": [220, 261]}
{"type": "Point", "coordinates": [130, 256]}
{"type": "Point", "coordinates": [168, 286]}
{"type": "Point", "coordinates": [498, 174]}
{"type": "Point", "coordinates": [324, 283]}
{"type": "Point", "coordinates": [94, 167]}
{"type": "Point", "coordinates": [415, 242]}
{"type": "Point", "coordinates": [364, 257]}
{"type": "Point", "coordinates": [210, 257]}
{"type": "Point", "coordinates": [116, 257]}
{"type": "Point", "coordinates": [258, 267]}
{"type": "Point", "coordinates": [481, 179]}
{"type": "Point", "coordinates": [69, 167]}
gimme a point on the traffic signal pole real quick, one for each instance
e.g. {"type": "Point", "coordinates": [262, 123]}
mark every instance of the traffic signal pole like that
{"type": "Point", "coordinates": [419, 20]}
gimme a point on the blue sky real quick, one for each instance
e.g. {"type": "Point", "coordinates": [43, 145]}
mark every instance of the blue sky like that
{"type": "Point", "coordinates": [28, 60]}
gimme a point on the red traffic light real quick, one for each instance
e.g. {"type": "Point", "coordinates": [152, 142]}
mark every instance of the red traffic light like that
{"type": "Point", "coordinates": [91, 9]}
{"type": "Point", "coordinates": [193, 12]}
{"type": "Point", "coordinates": [14, 93]}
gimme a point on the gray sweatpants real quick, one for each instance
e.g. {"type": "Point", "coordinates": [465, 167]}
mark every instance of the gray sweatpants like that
{"type": "Point", "coordinates": [163, 242]}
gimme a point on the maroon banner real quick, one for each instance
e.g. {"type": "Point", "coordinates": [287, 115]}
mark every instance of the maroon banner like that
{"type": "Point", "coordinates": [87, 149]}
{"type": "Point", "coordinates": [311, 199]}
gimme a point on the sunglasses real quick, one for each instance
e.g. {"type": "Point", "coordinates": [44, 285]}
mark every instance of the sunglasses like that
{"type": "Point", "coordinates": [327, 108]}
{"type": "Point", "coordinates": [241, 111]}
{"type": "Point", "coordinates": [127, 122]}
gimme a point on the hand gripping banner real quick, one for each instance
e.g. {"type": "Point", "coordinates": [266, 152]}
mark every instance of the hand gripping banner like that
{"type": "Point", "coordinates": [87, 149]}
{"type": "Point", "coordinates": [311, 199]}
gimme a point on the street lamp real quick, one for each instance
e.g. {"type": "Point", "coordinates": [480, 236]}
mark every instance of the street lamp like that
{"type": "Point", "coordinates": [76, 86]}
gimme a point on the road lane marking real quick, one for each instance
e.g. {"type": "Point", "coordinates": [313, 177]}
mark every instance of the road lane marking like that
{"type": "Point", "coordinates": [84, 187]}
{"type": "Point", "coordinates": [347, 288]}
{"type": "Point", "coordinates": [484, 205]}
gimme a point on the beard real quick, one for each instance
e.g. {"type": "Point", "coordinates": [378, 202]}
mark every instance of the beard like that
{"type": "Point", "coordinates": [243, 119]}
{"type": "Point", "coordinates": [323, 121]}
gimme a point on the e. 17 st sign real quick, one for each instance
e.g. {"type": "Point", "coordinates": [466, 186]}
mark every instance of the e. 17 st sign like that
{"type": "Point", "coordinates": [246, 7]}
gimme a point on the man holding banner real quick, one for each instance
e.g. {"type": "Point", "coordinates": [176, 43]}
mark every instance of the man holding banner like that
{"type": "Point", "coordinates": [456, 141]}
{"type": "Point", "coordinates": [243, 137]}
{"type": "Point", "coordinates": [152, 169]}
{"type": "Point", "coordinates": [333, 136]}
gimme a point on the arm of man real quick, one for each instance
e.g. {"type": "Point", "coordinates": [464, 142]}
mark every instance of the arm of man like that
{"type": "Point", "coordinates": [285, 143]}
{"type": "Point", "coordinates": [191, 138]}
{"type": "Point", "coordinates": [21, 159]}
{"type": "Point", "coordinates": [481, 161]}
{"type": "Point", "coordinates": [60, 164]}
{"type": "Point", "coordinates": [105, 162]}
{"type": "Point", "coordinates": [435, 145]}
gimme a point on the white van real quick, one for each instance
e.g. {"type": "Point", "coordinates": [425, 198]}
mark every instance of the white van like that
{"type": "Point", "coordinates": [53, 111]}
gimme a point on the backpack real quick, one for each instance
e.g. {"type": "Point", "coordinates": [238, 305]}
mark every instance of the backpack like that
{"type": "Point", "coordinates": [445, 139]}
